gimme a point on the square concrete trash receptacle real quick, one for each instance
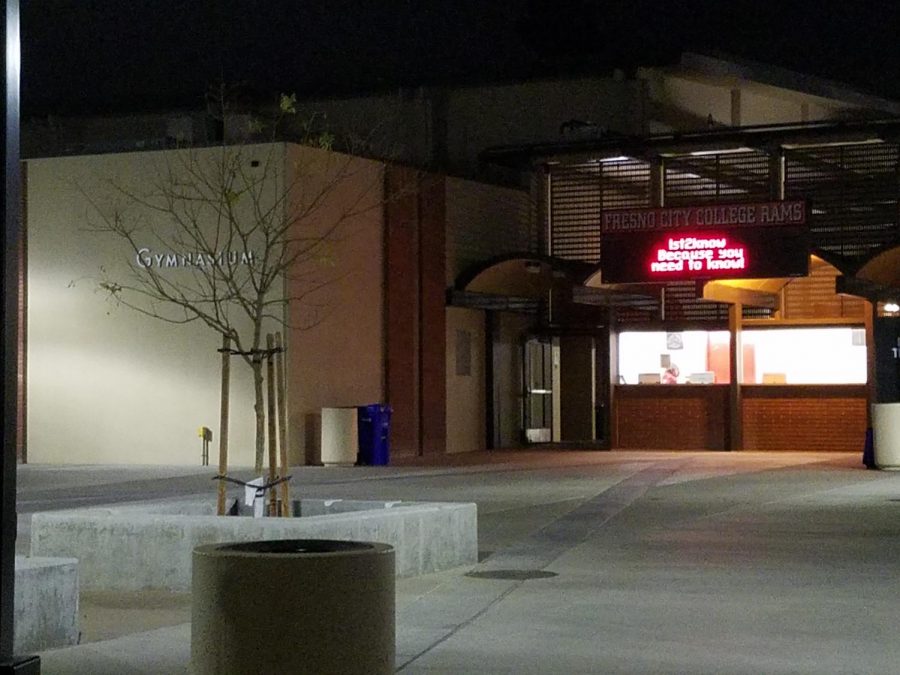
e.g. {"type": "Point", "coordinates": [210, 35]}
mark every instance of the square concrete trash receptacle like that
{"type": "Point", "coordinates": [886, 435]}
{"type": "Point", "coordinates": [340, 436]}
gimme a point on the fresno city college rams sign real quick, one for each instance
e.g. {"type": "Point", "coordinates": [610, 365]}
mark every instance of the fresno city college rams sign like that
{"type": "Point", "coordinates": [753, 240]}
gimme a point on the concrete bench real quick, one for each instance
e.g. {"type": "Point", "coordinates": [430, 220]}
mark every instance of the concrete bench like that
{"type": "Point", "coordinates": [149, 545]}
{"type": "Point", "coordinates": [46, 604]}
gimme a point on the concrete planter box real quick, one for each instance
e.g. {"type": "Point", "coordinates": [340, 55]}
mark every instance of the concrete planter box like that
{"type": "Point", "coordinates": [149, 545]}
{"type": "Point", "coordinates": [46, 604]}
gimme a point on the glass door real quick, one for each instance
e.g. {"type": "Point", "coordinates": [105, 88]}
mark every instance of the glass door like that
{"type": "Point", "coordinates": [538, 395]}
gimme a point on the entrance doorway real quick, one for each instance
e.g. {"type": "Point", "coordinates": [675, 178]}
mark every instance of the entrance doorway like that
{"type": "Point", "coordinates": [565, 388]}
{"type": "Point", "coordinates": [540, 360]}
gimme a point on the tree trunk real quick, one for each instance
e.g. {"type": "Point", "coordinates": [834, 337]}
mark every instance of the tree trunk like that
{"type": "Point", "coordinates": [260, 408]}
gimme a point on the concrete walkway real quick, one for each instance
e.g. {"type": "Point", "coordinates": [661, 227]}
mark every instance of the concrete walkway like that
{"type": "Point", "coordinates": [638, 562]}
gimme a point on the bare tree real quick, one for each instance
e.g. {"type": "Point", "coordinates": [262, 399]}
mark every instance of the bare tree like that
{"type": "Point", "coordinates": [231, 236]}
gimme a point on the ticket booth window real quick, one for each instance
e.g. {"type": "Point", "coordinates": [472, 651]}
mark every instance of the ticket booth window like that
{"type": "Point", "coordinates": [674, 357]}
{"type": "Point", "coordinates": [814, 355]}
{"type": "Point", "coordinates": [835, 355]}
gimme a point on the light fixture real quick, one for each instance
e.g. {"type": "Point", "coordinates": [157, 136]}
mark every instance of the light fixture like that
{"type": "Point", "coordinates": [617, 158]}
{"type": "Point", "coordinates": [831, 144]}
{"type": "Point", "coordinates": [891, 307]}
{"type": "Point", "coordinates": [720, 151]}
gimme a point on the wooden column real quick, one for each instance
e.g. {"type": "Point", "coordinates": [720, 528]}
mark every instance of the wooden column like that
{"type": "Point", "coordinates": [612, 403]}
{"type": "Point", "coordinates": [870, 310]}
{"type": "Point", "coordinates": [735, 435]}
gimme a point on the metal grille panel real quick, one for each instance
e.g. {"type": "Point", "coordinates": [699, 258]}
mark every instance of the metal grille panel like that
{"type": "Point", "coordinates": [578, 195]}
{"type": "Point", "coordinates": [852, 191]}
{"type": "Point", "coordinates": [683, 304]}
{"type": "Point", "coordinates": [727, 177]}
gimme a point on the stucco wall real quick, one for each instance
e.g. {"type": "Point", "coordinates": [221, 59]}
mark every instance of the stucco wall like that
{"type": "Point", "coordinates": [107, 384]}
{"type": "Point", "coordinates": [465, 380]}
{"type": "Point", "coordinates": [336, 339]}
{"type": "Point", "coordinates": [684, 103]}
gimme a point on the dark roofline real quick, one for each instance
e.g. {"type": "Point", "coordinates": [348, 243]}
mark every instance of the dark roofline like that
{"type": "Point", "coordinates": [724, 65]}
{"type": "Point", "coordinates": [761, 136]}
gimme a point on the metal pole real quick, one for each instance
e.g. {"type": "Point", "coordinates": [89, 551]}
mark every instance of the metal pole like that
{"type": "Point", "coordinates": [281, 404]}
{"type": "Point", "coordinates": [272, 420]}
{"type": "Point", "coordinates": [12, 272]}
{"type": "Point", "coordinates": [223, 424]}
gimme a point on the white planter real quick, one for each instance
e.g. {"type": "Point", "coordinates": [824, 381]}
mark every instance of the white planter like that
{"type": "Point", "coordinates": [886, 435]}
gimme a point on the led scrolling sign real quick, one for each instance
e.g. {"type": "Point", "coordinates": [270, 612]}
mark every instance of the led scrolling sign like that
{"type": "Point", "coordinates": [752, 240]}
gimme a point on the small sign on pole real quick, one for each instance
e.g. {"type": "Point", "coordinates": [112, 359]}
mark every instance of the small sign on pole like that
{"type": "Point", "coordinates": [205, 434]}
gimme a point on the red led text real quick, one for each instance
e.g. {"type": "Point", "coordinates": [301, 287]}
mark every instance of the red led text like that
{"type": "Point", "coordinates": [698, 254]}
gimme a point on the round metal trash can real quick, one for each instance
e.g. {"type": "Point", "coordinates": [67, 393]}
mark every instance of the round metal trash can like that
{"type": "Point", "coordinates": [293, 606]}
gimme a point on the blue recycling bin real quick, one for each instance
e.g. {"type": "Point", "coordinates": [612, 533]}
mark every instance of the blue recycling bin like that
{"type": "Point", "coordinates": [374, 426]}
{"type": "Point", "coordinates": [869, 450]}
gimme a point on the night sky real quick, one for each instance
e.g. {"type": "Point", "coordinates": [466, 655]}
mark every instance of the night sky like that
{"type": "Point", "coordinates": [84, 56]}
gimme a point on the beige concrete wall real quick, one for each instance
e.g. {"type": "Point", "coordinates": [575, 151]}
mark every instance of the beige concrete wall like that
{"type": "Point", "coordinates": [107, 384]}
{"type": "Point", "coordinates": [465, 380]}
{"type": "Point", "coordinates": [767, 107]}
{"type": "Point", "coordinates": [684, 103]}
{"type": "Point", "coordinates": [336, 340]}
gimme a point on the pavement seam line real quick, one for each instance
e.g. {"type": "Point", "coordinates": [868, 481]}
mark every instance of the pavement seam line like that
{"type": "Point", "coordinates": [643, 484]}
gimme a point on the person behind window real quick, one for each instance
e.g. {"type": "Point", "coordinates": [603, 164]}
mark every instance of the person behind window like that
{"type": "Point", "coordinates": [671, 375]}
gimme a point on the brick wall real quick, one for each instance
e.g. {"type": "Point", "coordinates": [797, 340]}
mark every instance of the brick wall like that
{"type": "Point", "coordinates": [415, 317]}
{"type": "Point", "coordinates": [800, 418]}
{"type": "Point", "coordinates": [670, 417]}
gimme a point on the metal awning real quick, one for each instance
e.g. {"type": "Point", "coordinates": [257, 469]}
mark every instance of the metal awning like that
{"type": "Point", "coordinates": [519, 281]}
{"type": "Point", "coordinates": [521, 275]}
